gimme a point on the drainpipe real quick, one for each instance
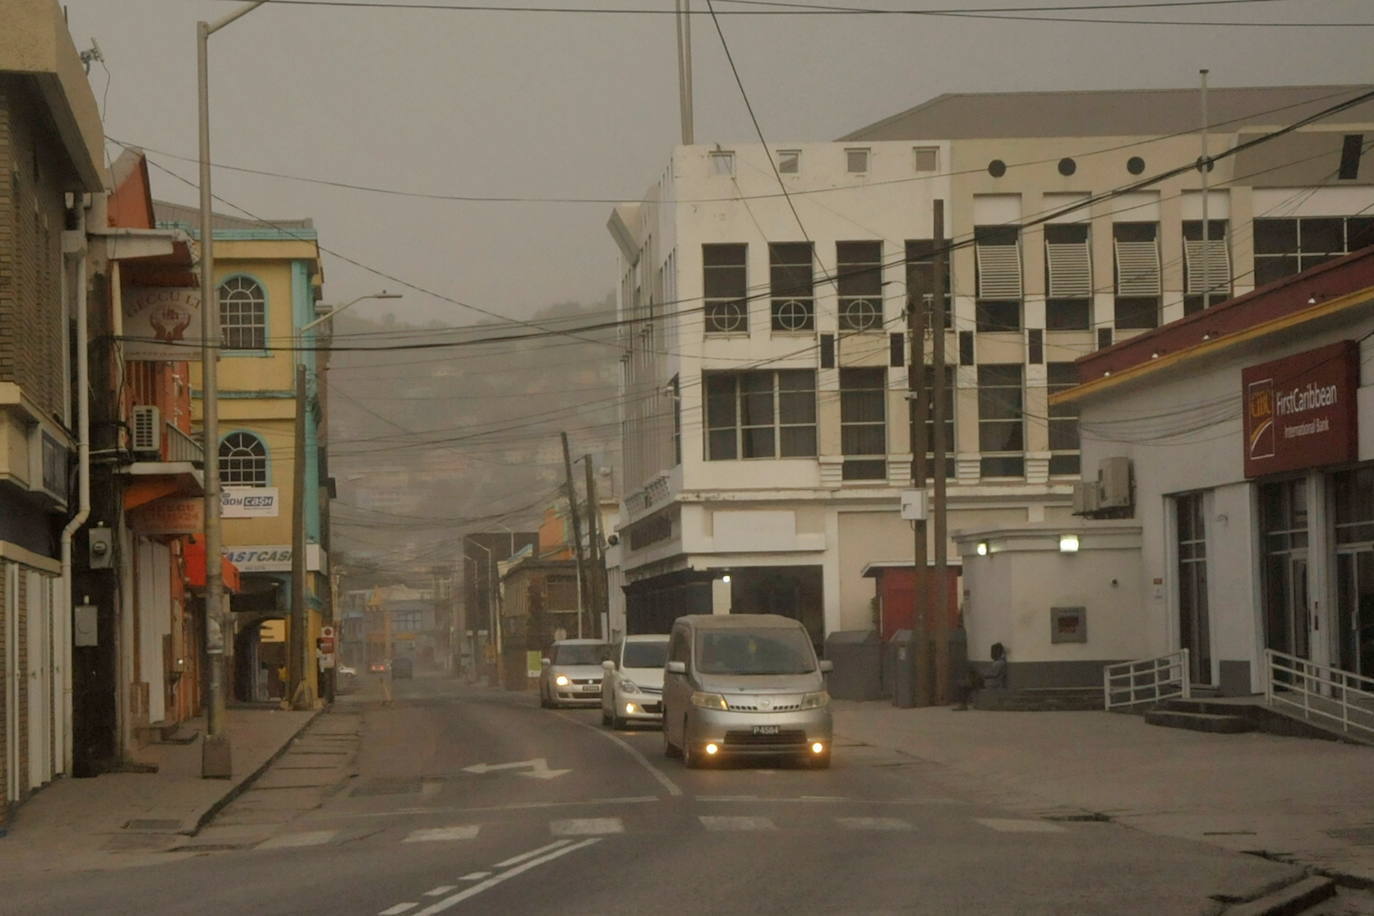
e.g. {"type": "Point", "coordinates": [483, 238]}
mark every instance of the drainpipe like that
{"type": "Point", "coordinates": [83, 512]}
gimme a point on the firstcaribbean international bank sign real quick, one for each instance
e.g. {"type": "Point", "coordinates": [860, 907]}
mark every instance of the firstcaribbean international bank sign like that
{"type": "Point", "coordinates": [1300, 410]}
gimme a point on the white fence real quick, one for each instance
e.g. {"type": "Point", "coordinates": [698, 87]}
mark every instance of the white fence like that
{"type": "Point", "coordinates": [1322, 694]}
{"type": "Point", "coordinates": [1149, 680]}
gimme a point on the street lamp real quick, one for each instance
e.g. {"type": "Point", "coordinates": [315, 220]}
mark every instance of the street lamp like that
{"type": "Point", "coordinates": [494, 620]}
{"type": "Point", "coordinates": [334, 311]}
{"type": "Point", "coordinates": [216, 757]}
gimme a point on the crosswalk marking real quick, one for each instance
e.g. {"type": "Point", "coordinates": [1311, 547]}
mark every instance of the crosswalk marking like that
{"type": "Point", "coordinates": [398, 909]}
{"type": "Point", "coordinates": [586, 826]}
{"type": "Point", "coordinates": [297, 840]}
{"type": "Point", "coordinates": [712, 822]}
{"type": "Point", "coordinates": [442, 834]}
{"type": "Point", "coordinates": [1008, 825]}
{"type": "Point", "coordinates": [441, 890]}
{"type": "Point", "coordinates": [873, 823]}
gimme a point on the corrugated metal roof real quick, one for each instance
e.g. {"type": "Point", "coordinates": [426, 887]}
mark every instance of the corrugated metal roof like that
{"type": "Point", "coordinates": [1108, 112]}
{"type": "Point", "coordinates": [167, 212]}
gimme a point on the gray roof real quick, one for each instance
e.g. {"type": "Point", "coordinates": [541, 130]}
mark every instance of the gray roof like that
{"type": "Point", "coordinates": [1109, 112]}
{"type": "Point", "coordinates": [166, 212]}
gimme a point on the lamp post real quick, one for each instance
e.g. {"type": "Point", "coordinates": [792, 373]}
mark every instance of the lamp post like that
{"type": "Point", "coordinates": [299, 665]}
{"type": "Point", "coordinates": [216, 760]}
{"type": "Point", "coordinates": [493, 618]}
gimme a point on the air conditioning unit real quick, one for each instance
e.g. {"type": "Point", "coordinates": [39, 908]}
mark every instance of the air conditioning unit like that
{"type": "Point", "coordinates": [1114, 484]}
{"type": "Point", "coordinates": [1085, 497]}
{"type": "Point", "coordinates": [146, 430]}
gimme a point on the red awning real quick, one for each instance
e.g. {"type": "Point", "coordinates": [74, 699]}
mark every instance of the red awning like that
{"type": "Point", "coordinates": [194, 553]}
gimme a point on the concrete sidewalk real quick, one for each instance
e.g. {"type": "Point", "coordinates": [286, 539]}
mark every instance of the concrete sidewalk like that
{"type": "Point", "coordinates": [1296, 799]}
{"type": "Point", "coordinates": [122, 819]}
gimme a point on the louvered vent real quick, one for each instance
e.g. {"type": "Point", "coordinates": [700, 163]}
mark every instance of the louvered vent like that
{"type": "Point", "coordinates": [1209, 265]}
{"type": "Point", "coordinates": [1137, 268]}
{"type": "Point", "coordinates": [146, 429]}
{"type": "Point", "coordinates": [999, 271]}
{"type": "Point", "coordinates": [1071, 270]}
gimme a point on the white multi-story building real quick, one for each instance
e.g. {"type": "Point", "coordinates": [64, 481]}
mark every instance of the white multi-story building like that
{"type": "Point", "coordinates": [766, 426]}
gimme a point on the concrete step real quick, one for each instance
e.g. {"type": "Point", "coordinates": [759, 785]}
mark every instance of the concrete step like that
{"type": "Point", "coordinates": [1039, 699]}
{"type": "Point", "coordinates": [1200, 721]}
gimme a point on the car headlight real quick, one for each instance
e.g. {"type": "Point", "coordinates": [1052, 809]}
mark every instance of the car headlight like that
{"type": "Point", "coordinates": [562, 680]}
{"type": "Point", "coordinates": [630, 687]}
{"type": "Point", "coordinates": [815, 700]}
{"type": "Point", "coordinates": [709, 700]}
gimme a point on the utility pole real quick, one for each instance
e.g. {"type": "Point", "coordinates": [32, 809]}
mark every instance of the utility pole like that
{"type": "Point", "coordinates": [299, 643]}
{"type": "Point", "coordinates": [577, 536]}
{"type": "Point", "coordinates": [918, 403]}
{"type": "Point", "coordinates": [596, 579]}
{"type": "Point", "coordinates": [683, 19]}
{"type": "Point", "coordinates": [939, 604]}
{"type": "Point", "coordinates": [1203, 166]}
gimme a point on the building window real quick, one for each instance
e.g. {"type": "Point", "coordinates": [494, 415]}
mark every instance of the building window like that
{"type": "Point", "coordinates": [1206, 265]}
{"type": "Point", "coordinates": [724, 281]}
{"type": "Point", "coordinates": [927, 158]}
{"type": "Point", "coordinates": [675, 392]}
{"type": "Point", "coordinates": [722, 163]}
{"type": "Point", "coordinates": [997, 251]}
{"type": "Point", "coordinates": [405, 621]}
{"type": "Point", "coordinates": [792, 286]}
{"type": "Point", "coordinates": [242, 314]}
{"type": "Point", "coordinates": [1283, 529]}
{"type": "Point", "coordinates": [930, 422]}
{"type": "Point", "coordinates": [856, 160]}
{"type": "Point", "coordinates": [1194, 626]}
{"type": "Point", "coordinates": [1064, 441]}
{"type": "Point", "coordinates": [242, 461]}
{"type": "Point", "coordinates": [920, 276]}
{"type": "Point", "coordinates": [859, 280]}
{"type": "Point", "coordinates": [1001, 420]}
{"type": "Point", "coordinates": [760, 414]}
{"type": "Point", "coordinates": [1138, 284]}
{"type": "Point", "coordinates": [1284, 247]}
{"type": "Point", "coordinates": [1069, 277]}
{"type": "Point", "coordinates": [863, 423]}
{"type": "Point", "coordinates": [789, 161]}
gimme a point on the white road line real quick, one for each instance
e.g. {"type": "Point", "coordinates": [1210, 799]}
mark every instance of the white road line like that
{"type": "Point", "coordinates": [711, 822]}
{"type": "Point", "coordinates": [873, 823]}
{"type": "Point", "coordinates": [297, 840]}
{"type": "Point", "coordinates": [398, 909]}
{"type": "Point", "coordinates": [476, 875]}
{"type": "Point", "coordinates": [516, 860]}
{"type": "Point", "coordinates": [514, 806]}
{"type": "Point", "coordinates": [488, 884]}
{"type": "Point", "coordinates": [442, 834]}
{"type": "Point", "coordinates": [443, 889]}
{"type": "Point", "coordinates": [587, 826]}
{"type": "Point", "coordinates": [1008, 825]}
{"type": "Point", "coordinates": [654, 771]}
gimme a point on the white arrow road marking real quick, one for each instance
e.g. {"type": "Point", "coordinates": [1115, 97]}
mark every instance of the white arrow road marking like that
{"type": "Point", "coordinates": [538, 768]}
{"type": "Point", "coordinates": [491, 882]}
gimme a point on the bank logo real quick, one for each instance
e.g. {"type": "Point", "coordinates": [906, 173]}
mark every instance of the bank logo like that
{"type": "Point", "coordinates": [1259, 415]}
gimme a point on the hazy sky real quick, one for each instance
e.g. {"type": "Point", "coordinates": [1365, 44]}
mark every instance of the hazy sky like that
{"type": "Point", "coordinates": [585, 105]}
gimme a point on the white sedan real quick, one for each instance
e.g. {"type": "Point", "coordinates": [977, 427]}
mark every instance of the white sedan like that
{"type": "Point", "coordinates": [632, 690]}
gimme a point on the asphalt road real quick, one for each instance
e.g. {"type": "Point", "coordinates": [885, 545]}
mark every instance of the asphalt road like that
{"type": "Point", "coordinates": [454, 799]}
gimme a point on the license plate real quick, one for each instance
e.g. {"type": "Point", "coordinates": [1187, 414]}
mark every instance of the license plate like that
{"type": "Point", "coordinates": [765, 729]}
{"type": "Point", "coordinates": [589, 688]}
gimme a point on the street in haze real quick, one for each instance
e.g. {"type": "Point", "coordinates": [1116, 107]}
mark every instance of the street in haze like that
{"type": "Point", "coordinates": [456, 798]}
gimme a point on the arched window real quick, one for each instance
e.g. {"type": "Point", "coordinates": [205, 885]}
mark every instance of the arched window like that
{"type": "Point", "coordinates": [243, 314]}
{"type": "Point", "coordinates": [242, 461]}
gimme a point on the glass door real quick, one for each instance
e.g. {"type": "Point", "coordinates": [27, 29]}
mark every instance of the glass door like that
{"type": "Point", "coordinates": [1355, 612]}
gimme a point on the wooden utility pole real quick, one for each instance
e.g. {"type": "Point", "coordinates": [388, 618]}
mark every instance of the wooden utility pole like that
{"type": "Point", "coordinates": [298, 644]}
{"type": "Point", "coordinates": [597, 571]}
{"type": "Point", "coordinates": [584, 603]}
{"type": "Point", "coordinates": [940, 598]}
{"type": "Point", "coordinates": [918, 402]}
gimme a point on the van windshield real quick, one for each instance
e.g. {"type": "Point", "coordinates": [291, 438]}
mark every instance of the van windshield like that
{"type": "Point", "coordinates": [766, 651]}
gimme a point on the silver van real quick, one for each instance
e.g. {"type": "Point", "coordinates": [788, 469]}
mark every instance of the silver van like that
{"type": "Point", "coordinates": [740, 685]}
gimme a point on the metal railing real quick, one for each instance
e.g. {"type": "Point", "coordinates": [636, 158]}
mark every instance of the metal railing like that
{"type": "Point", "coordinates": [1319, 693]}
{"type": "Point", "coordinates": [1147, 680]}
{"type": "Point", "coordinates": [181, 447]}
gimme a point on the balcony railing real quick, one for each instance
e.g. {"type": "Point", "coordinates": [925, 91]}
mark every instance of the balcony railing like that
{"type": "Point", "coordinates": [181, 447]}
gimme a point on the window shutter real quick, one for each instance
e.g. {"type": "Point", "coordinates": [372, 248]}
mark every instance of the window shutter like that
{"type": "Point", "coordinates": [1137, 269]}
{"type": "Point", "coordinates": [999, 271]}
{"type": "Point", "coordinates": [1071, 270]}
{"type": "Point", "coordinates": [1209, 264]}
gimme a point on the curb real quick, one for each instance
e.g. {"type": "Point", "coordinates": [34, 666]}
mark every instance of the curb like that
{"type": "Point", "coordinates": [1287, 900]}
{"type": "Point", "coordinates": [248, 780]}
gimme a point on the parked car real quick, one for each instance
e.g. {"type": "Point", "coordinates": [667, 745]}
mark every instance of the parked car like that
{"type": "Point", "coordinates": [403, 666]}
{"type": "Point", "coordinates": [346, 678]}
{"type": "Point", "coordinates": [632, 689]}
{"type": "Point", "coordinates": [571, 673]}
{"type": "Point", "coordinates": [376, 667]}
{"type": "Point", "coordinates": [740, 685]}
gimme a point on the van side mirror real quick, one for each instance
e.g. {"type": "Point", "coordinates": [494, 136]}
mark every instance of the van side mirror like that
{"type": "Point", "coordinates": [677, 667]}
{"type": "Point", "coordinates": [608, 665]}
{"type": "Point", "coordinates": [827, 666]}
{"type": "Point", "coordinates": [545, 662]}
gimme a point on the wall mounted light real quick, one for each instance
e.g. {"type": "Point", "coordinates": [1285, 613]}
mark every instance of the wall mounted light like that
{"type": "Point", "coordinates": [982, 548]}
{"type": "Point", "coordinates": [1068, 543]}
{"type": "Point", "coordinates": [725, 578]}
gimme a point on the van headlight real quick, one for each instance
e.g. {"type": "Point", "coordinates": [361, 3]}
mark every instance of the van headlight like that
{"type": "Point", "coordinates": [709, 700]}
{"type": "Point", "coordinates": [630, 687]}
{"type": "Point", "coordinates": [815, 700]}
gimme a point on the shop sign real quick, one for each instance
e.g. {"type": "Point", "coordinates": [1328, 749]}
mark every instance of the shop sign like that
{"type": "Point", "coordinates": [273, 558]}
{"type": "Point", "coordinates": [170, 516]}
{"type": "Point", "coordinates": [1300, 410]}
{"type": "Point", "coordinates": [249, 502]}
{"type": "Point", "coordinates": [162, 323]}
